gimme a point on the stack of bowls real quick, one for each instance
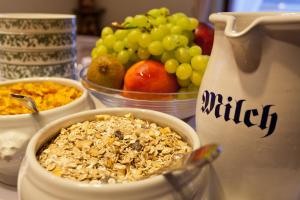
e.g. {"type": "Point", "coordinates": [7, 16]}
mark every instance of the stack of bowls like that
{"type": "Point", "coordinates": [37, 45]}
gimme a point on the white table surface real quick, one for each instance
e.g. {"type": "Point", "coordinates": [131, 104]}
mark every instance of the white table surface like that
{"type": "Point", "coordinates": [7, 192]}
{"type": "Point", "coordinates": [10, 193]}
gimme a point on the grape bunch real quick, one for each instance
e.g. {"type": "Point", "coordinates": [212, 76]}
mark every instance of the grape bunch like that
{"type": "Point", "coordinates": [157, 35]}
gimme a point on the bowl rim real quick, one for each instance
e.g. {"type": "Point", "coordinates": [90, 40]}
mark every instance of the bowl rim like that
{"type": "Point", "coordinates": [63, 81]}
{"type": "Point", "coordinates": [46, 177]}
{"type": "Point", "coordinates": [37, 16]}
{"type": "Point", "coordinates": [95, 86]}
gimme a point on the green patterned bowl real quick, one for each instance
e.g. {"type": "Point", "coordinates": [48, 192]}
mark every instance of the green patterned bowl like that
{"type": "Point", "coordinates": [37, 40]}
{"type": "Point", "coordinates": [34, 57]}
{"type": "Point", "coordinates": [37, 23]}
{"type": "Point", "coordinates": [16, 71]}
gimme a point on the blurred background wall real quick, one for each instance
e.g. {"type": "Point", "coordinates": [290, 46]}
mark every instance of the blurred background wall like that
{"type": "Point", "coordinates": [111, 10]}
{"type": "Point", "coordinates": [116, 10]}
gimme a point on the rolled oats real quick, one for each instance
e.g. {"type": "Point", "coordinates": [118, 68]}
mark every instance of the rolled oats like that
{"type": "Point", "coordinates": [111, 149]}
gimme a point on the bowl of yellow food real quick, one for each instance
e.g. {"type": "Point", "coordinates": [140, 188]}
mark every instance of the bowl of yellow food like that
{"type": "Point", "coordinates": [54, 97]}
{"type": "Point", "coordinates": [112, 153]}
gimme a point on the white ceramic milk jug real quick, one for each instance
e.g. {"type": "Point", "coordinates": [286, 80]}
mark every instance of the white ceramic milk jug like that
{"type": "Point", "coordinates": [249, 102]}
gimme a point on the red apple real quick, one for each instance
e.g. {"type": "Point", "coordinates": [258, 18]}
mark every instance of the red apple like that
{"type": "Point", "coordinates": [149, 76]}
{"type": "Point", "coordinates": [204, 37]}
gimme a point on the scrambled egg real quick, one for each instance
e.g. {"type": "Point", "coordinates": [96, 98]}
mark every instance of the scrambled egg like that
{"type": "Point", "coordinates": [46, 94]}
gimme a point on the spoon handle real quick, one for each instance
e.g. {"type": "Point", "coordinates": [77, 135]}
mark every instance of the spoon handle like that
{"type": "Point", "coordinates": [190, 164]}
{"type": "Point", "coordinates": [27, 101]}
{"type": "Point", "coordinates": [195, 159]}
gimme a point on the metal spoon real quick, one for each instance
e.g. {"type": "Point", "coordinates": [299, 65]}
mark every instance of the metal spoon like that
{"type": "Point", "coordinates": [195, 159]}
{"type": "Point", "coordinates": [26, 101]}
{"type": "Point", "coordinates": [190, 164]}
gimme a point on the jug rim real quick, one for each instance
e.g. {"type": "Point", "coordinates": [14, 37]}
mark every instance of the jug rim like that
{"type": "Point", "coordinates": [259, 18]}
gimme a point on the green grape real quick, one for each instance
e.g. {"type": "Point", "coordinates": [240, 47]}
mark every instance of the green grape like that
{"type": "Point", "coordinates": [131, 51]}
{"type": "Point", "coordinates": [183, 83]}
{"type": "Point", "coordinates": [166, 56]}
{"type": "Point", "coordinates": [196, 78]}
{"type": "Point", "coordinates": [143, 54]}
{"type": "Point", "coordinates": [120, 34]}
{"type": "Point", "coordinates": [99, 42]}
{"type": "Point", "coordinates": [109, 41]}
{"type": "Point", "coordinates": [128, 20]}
{"type": "Point", "coordinates": [192, 88]}
{"type": "Point", "coordinates": [164, 28]}
{"type": "Point", "coordinates": [125, 40]}
{"type": "Point", "coordinates": [176, 29]}
{"type": "Point", "coordinates": [184, 22]}
{"type": "Point", "coordinates": [182, 55]}
{"type": "Point", "coordinates": [195, 50]}
{"type": "Point", "coordinates": [184, 71]}
{"type": "Point", "coordinates": [189, 35]}
{"type": "Point", "coordinates": [164, 11]}
{"type": "Point", "coordinates": [154, 12]}
{"type": "Point", "coordinates": [157, 34]}
{"type": "Point", "coordinates": [134, 36]}
{"type": "Point", "coordinates": [172, 20]}
{"type": "Point", "coordinates": [199, 63]}
{"type": "Point", "coordinates": [183, 40]}
{"type": "Point", "coordinates": [132, 45]}
{"type": "Point", "coordinates": [180, 40]}
{"type": "Point", "coordinates": [169, 42]}
{"type": "Point", "coordinates": [156, 48]}
{"type": "Point", "coordinates": [106, 31]}
{"type": "Point", "coordinates": [123, 57]}
{"type": "Point", "coordinates": [175, 17]}
{"type": "Point", "coordinates": [140, 21]}
{"type": "Point", "coordinates": [114, 54]}
{"type": "Point", "coordinates": [179, 14]}
{"type": "Point", "coordinates": [145, 40]}
{"type": "Point", "coordinates": [118, 46]}
{"type": "Point", "coordinates": [182, 93]}
{"type": "Point", "coordinates": [160, 20]}
{"type": "Point", "coordinates": [100, 50]}
{"type": "Point", "coordinates": [169, 25]}
{"type": "Point", "coordinates": [193, 23]}
{"type": "Point", "coordinates": [134, 57]}
{"type": "Point", "coordinates": [171, 65]}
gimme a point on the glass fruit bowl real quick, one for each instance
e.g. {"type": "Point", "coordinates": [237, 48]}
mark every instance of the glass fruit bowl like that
{"type": "Point", "coordinates": [178, 104]}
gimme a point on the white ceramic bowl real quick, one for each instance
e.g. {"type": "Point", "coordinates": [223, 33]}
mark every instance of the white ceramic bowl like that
{"type": "Point", "coordinates": [16, 130]}
{"type": "Point", "coordinates": [35, 182]}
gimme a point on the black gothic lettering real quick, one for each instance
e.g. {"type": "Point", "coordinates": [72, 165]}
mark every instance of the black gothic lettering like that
{"type": "Point", "coordinates": [264, 120]}
{"type": "Point", "coordinates": [227, 109]}
{"type": "Point", "coordinates": [212, 101]}
{"type": "Point", "coordinates": [237, 112]}
{"type": "Point", "coordinates": [218, 106]}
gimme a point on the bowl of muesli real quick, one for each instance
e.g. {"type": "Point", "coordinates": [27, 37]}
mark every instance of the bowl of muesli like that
{"type": "Point", "coordinates": [54, 98]}
{"type": "Point", "coordinates": [112, 153]}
